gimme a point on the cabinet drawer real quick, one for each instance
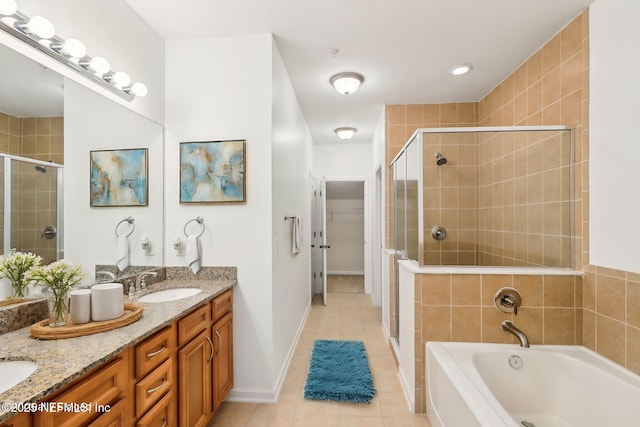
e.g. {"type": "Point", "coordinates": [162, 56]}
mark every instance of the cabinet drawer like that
{"type": "Point", "coordinates": [116, 417]}
{"type": "Point", "coordinates": [155, 385]}
{"type": "Point", "coordinates": [221, 305]}
{"type": "Point", "coordinates": [103, 387]}
{"type": "Point", "coordinates": [192, 324]}
{"type": "Point", "coordinates": [163, 413]}
{"type": "Point", "coordinates": [154, 350]}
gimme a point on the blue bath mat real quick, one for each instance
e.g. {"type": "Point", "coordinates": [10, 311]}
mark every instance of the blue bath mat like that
{"type": "Point", "coordinates": [339, 370]}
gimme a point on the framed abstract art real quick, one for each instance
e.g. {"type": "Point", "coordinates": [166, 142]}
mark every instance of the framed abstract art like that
{"type": "Point", "coordinates": [212, 171]}
{"type": "Point", "coordinates": [119, 177]}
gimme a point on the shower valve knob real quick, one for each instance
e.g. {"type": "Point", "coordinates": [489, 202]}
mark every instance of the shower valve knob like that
{"type": "Point", "coordinates": [439, 232]}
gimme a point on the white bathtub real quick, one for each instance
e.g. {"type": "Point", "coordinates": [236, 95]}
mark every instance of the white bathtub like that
{"type": "Point", "coordinates": [473, 384]}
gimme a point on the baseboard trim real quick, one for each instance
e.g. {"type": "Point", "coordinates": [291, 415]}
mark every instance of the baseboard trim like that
{"type": "Point", "coordinates": [270, 396]}
{"type": "Point", "coordinates": [346, 273]}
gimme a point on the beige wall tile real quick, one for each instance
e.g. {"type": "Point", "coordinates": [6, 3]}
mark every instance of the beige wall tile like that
{"type": "Point", "coordinates": [610, 339]}
{"type": "Point", "coordinates": [559, 326]}
{"type": "Point", "coordinates": [610, 297]}
{"type": "Point", "coordinates": [466, 324]}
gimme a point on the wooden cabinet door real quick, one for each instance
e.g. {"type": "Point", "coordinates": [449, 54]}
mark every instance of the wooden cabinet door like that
{"type": "Point", "coordinates": [21, 419]}
{"type": "Point", "coordinates": [194, 378]}
{"type": "Point", "coordinates": [222, 335]}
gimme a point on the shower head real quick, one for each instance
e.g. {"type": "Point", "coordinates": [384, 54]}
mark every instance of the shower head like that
{"type": "Point", "coordinates": [41, 169]}
{"type": "Point", "coordinates": [440, 159]}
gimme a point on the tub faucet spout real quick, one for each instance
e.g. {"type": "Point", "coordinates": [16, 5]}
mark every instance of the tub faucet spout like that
{"type": "Point", "coordinates": [510, 328]}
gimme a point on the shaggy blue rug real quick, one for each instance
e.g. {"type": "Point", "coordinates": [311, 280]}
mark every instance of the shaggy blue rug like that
{"type": "Point", "coordinates": [339, 370]}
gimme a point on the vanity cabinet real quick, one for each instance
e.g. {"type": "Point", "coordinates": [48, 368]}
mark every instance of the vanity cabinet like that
{"type": "Point", "coordinates": [23, 419]}
{"type": "Point", "coordinates": [104, 389]}
{"type": "Point", "coordinates": [194, 367]}
{"type": "Point", "coordinates": [222, 334]}
{"type": "Point", "coordinates": [155, 379]}
{"type": "Point", "coordinates": [205, 360]}
{"type": "Point", "coordinates": [178, 376]}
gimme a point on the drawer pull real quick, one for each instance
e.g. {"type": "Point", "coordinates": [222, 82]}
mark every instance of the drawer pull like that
{"type": "Point", "coordinates": [164, 422]}
{"type": "Point", "coordinates": [154, 353]}
{"type": "Point", "coordinates": [211, 344]}
{"type": "Point", "coordinates": [219, 342]}
{"type": "Point", "coordinates": [153, 390]}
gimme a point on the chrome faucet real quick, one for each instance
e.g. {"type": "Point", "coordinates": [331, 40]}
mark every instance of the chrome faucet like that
{"type": "Point", "coordinates": [509, 327]}
{"type": "Point", "coordinates": [108, 274]}
{"type": "Point", "coordinates": [141, 285]}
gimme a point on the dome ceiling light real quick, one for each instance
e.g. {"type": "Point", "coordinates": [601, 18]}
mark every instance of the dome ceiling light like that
{"type": "Point", "coordinates": [346, 83]}
{"type": "Point", "coordinates": [346, 133]}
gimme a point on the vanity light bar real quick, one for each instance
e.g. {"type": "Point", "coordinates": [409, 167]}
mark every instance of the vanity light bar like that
{"type": "Point", "coordinates": [96, 69]}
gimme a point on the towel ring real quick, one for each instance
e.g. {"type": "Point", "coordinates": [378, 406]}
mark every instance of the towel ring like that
{"type": "Point", "coordinates": [199, 220]}
{"type": "Point", "coordinates": [130, 220]}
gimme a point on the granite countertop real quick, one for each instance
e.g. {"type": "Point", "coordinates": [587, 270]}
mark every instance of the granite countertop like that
{"type": "Point", "coordinates": [64, 360]}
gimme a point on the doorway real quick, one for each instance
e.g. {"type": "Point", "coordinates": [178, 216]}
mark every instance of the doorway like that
{"type": "Point", "coordinates": [345, 233]}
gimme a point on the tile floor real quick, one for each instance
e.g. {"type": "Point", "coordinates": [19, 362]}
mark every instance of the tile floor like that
{"type": "Point", "coordinates": [349, 315]}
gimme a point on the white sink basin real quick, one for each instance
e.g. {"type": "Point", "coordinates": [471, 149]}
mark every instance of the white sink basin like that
{"type": "Point", "coordinates": [14, 371]}
{"type": "Point", "coordinates": [170, 295]}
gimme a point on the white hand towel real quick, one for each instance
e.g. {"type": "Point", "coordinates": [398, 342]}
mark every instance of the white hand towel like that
{"type": "Point", "coordinates": [296, 237]}
{"type": "Point", "coordinates": [122, 253]}
{"type": "Point", "coordinates": [192, 253]}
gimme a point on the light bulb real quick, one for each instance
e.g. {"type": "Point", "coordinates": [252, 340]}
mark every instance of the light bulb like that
{"type": "Point", "coordinates": [41, 27]}
{"type": "Point", "coordinates": [99, 65]}
{"type": "Point", "coordinates": [139, 89]}
{"type": "Point", "coordinates": [74, 48]}
{"type": "Point", "coordinates": [8, 7]}
{"type": "Point", "coordinates": [121, 79]}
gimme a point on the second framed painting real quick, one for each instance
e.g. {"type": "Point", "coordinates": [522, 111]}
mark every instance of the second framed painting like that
{"type": "Point", "coordinates": [212, 171]}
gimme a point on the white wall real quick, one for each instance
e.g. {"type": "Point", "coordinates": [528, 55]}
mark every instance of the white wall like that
{"type": "Point", "coordinates": [380, 273]}
{"type": "Point", "coordinates": [110, 29]}
{"type": "Point", "coordinates": [291, 157]}
{"type": "Point", "coordinates": [614, 140]}
{"type": "Point", "coordinates": [406, 335]}
{"type": "Point", "coordinates": [221, 89]}
{"type": "Point", "coordinates": [342, 160]}
{"type": "Point", "coordinates": [93, 122]}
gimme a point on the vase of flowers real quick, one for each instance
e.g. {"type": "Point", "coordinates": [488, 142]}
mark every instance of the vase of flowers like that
{"type": "Point", "coordinates": [15, 267]}
{"type": "Point", "coordinates": [59, 277]}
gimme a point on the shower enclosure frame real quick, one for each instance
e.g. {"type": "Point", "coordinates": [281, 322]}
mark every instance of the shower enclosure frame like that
{"type": "Point", "coordinates": [417, 137]}
{"type": "Point", "coordinates": [8, 168]}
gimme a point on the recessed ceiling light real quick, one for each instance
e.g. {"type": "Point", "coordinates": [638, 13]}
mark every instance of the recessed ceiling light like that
{"type": "Point", "coordinates": [346, 83]}
{"type": "Point", "coordinates": [461, 69]}
{"type": "Point", "coordinates": [346, 132]}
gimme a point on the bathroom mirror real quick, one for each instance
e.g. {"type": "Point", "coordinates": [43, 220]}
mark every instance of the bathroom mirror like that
{"type": "Point", "coordinates": [90, 122]}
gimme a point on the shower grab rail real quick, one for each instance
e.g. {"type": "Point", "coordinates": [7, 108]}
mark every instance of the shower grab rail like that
{"type": "Point", "coordinates": [129, 220]}
{"type": "Point", "coordinates": [200, 221]}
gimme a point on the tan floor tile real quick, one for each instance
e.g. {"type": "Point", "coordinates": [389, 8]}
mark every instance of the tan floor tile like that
{"type": "Point", "coordinates": [358, 421]}
{"type": "Point", "coordinates": [348, 315]}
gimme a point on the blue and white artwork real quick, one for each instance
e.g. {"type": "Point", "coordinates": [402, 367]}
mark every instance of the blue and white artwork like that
{"type": "Point", "coordinates": [119, 177]}
{"type": "Point", "coordinates": [212, 172]}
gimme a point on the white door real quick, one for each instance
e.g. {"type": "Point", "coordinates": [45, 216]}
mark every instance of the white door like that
{"type": "Point", "coordinates": [323, 238]}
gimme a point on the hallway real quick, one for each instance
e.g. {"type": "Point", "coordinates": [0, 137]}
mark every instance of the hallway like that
{"type": "Point", "coordinates": [348, 316]}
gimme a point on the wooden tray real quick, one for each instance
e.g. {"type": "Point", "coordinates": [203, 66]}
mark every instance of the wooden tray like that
{"type": "Point", "coordinates": [41, 330]}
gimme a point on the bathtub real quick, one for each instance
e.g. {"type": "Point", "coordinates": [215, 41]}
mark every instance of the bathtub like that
{"type": "Point", "coordinates": [493, 385]}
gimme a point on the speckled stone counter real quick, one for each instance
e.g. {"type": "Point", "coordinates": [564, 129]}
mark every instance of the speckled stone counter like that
{"type": "Point", "coordinates": [62, 361]}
